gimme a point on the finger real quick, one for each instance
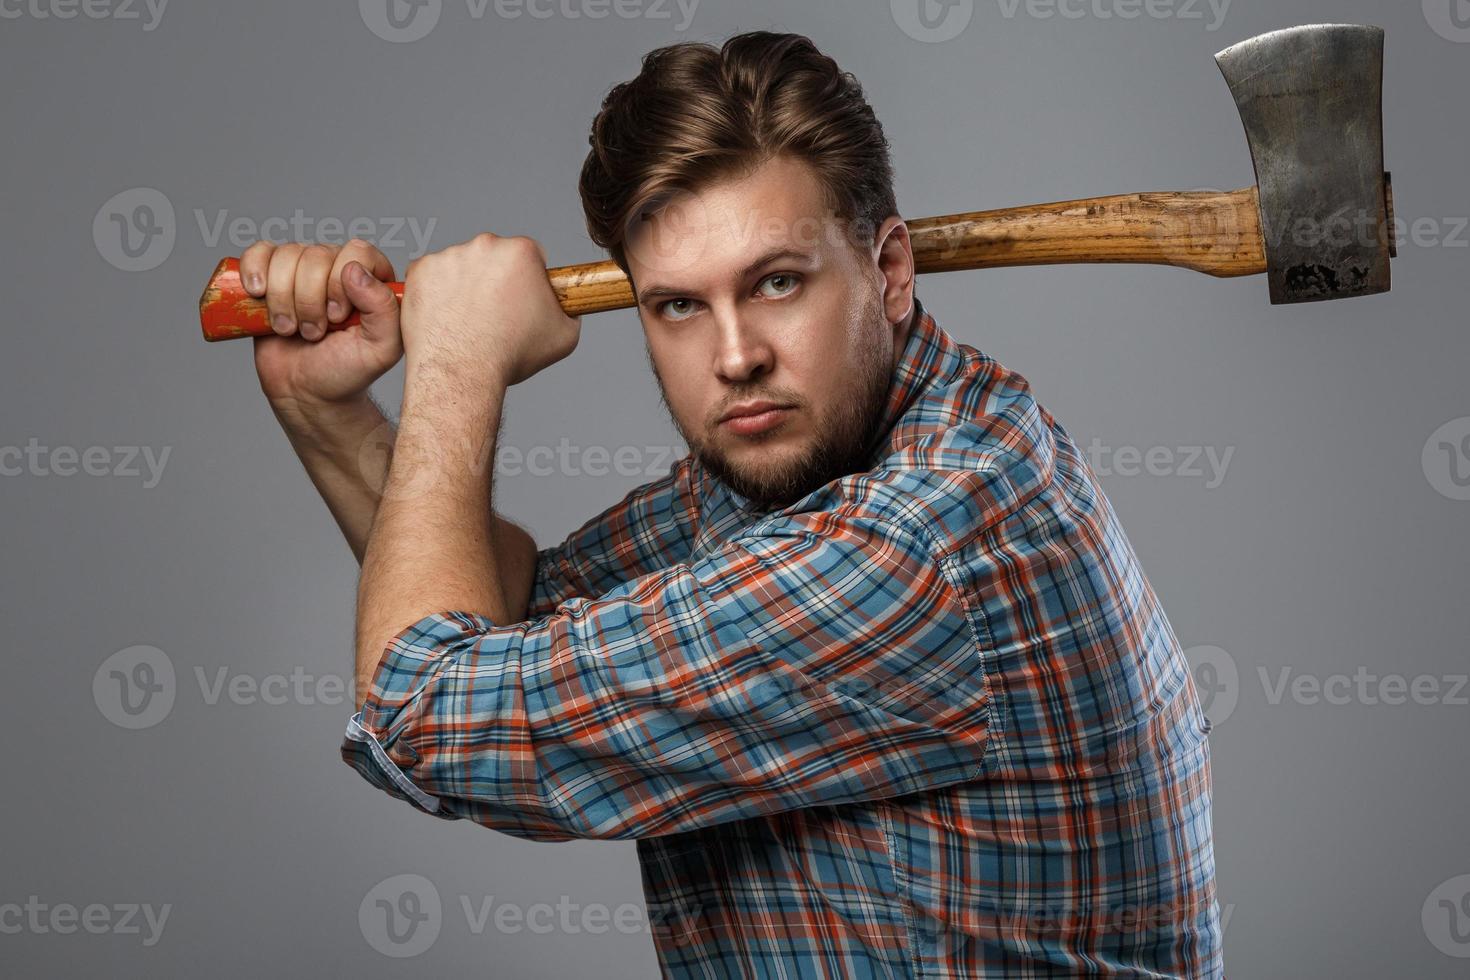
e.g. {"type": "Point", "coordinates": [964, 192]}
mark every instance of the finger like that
{"type": "Point", "coordinates": [311, 290]}
{"type": "Point", "coordinates": [364, 253]}
{"type": "Point", "coordinates": [378, 305]}
{"type": "Point", "coordinates": [280, 288]}
{"type": "Point", "coordinates": [253, 263]}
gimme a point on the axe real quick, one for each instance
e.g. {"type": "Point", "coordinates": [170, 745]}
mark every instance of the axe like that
{"type": "Point", "coordinates": [1318, 222]}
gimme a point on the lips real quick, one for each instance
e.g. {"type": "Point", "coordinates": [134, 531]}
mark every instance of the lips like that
{"type": "Point", "coordinates": [749, 420]}
{"type": "Point", "coordinates": [746, 409]}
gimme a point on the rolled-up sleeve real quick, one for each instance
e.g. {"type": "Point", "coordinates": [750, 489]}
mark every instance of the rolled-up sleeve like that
{"type": "Point", "coordinates": [818, 658]}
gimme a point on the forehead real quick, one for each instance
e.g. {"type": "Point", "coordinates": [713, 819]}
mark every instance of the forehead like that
{"type": "Point", "coordinates": [706, 236]}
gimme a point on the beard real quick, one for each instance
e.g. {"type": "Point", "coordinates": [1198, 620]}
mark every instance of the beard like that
{"type": "Point", "coordinates": [841, 445]}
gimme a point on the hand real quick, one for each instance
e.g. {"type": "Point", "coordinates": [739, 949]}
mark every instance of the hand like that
{"type": "Point", "coordinates": [484, 311]}
{"type": "Point", "coordinates": [305, 367]}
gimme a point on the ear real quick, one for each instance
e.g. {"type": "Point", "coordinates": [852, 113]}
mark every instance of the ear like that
{"type": "Point", "coordinates": [893, 254]}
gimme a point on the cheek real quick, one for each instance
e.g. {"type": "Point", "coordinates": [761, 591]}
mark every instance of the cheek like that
{"type": "Point", "coordinates": [682, 383]}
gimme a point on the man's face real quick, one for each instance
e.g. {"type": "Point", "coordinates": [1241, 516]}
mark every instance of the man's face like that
{"type": "Point", "coordinates": [752, 291]}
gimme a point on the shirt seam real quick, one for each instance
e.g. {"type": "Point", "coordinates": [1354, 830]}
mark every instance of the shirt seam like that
{"type": "Point", "coordinates": [905, 892]}
{"type": "Point", "coordinates": [994, 707]}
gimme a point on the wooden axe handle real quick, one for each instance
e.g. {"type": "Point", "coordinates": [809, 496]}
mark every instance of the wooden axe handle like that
{"type": "Point", "coordinates": [1214, 232]}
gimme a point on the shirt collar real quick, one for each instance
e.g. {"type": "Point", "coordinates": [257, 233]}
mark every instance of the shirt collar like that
{"type": "Point", "coordinates": [930, 359]}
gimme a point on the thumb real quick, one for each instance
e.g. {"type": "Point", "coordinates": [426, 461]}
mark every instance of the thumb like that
{"type": "Point", "coordinates": [374, 301]}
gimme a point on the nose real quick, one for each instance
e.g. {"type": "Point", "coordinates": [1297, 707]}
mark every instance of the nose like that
{"type": "Point", "coordinates": [743, 353]}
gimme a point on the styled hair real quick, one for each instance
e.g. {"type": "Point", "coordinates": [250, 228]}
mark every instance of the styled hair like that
{"type": "Point", "coordinates": [695, 114]}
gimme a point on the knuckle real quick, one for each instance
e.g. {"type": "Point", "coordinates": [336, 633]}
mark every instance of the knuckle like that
{"type": "Point", "coordinates": [285, 255]}
{"type": "Point", "coordinates": [535, 254]}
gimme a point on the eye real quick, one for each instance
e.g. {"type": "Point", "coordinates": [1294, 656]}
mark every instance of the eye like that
{"type": "Point", "coordinates": [784, 282]}
{"type": "Point", "coordinates": [666, 309]}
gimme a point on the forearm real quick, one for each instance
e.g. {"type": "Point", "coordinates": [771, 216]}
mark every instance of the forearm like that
{"type": "Point", "coordinates": [346, 452]}
{"type": "Point", "coordinates": [336, 446]}
{"type": "Point", "coordinates": [515, 557]}
{"type": "Point", "coordinates": [433, 542]}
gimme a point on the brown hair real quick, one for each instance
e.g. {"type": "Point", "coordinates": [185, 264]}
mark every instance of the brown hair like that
{"type": "Point", "coordinates": [695, 114]}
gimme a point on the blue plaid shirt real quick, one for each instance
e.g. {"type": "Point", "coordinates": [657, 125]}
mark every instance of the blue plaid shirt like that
{"type": "Point", "coordinates": [928, 721]}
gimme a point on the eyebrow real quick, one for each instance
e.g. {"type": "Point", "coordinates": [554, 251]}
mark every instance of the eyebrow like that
{"type": "Point", "coordinates": [654, 292]}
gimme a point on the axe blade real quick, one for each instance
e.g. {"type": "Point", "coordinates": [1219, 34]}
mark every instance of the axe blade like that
{"type": "Point", "coordinates": [1311, 99]}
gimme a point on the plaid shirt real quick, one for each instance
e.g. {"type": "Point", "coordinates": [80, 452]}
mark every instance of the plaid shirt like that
{"type": "Point", "coordinates": [928, 721]}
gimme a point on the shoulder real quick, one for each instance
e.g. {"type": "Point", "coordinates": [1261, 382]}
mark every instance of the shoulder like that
{"type": "Point", "coordinates": [968, 452]}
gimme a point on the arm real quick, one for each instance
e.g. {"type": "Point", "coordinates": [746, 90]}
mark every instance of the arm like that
{"type": "Point", "coordinates": [477, 318]}
{"type": "Point", "coordinates": [819, 658]}
{"type": "Point", "coordinates": [430, 546]}
{"type": "Point", "coordinates": [336, 445]}
{"type": "Point", "coordinates": [823, 658]}
{"type": "Point", "coordinates": [316, 382]}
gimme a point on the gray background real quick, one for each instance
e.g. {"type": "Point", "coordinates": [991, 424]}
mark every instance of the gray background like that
{"type": "Point", "coordinates": [1335, 543]}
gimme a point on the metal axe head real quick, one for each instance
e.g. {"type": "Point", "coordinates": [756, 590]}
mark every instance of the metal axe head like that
{"type": "Point", "coordinates": [1311, 98]}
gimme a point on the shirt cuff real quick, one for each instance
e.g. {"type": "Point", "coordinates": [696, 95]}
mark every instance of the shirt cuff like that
{"type": "Point", "coordinates": [363, 752]}
{"type": "Point", "coordinates": [411, 662]}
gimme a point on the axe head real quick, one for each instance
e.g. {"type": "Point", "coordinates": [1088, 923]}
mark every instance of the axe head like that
{"type": "Point", "coordinates": [1311, 98]}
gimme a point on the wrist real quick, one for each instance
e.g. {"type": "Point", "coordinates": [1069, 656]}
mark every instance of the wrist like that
{"type": "Point", "coordinates": [328, 427]}
{"type": "Point", "coordinates": [434, 370]}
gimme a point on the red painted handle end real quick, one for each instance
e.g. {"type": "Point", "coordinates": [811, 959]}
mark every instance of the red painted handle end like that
{"type": "Point", "coordinates": [228, 312]}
